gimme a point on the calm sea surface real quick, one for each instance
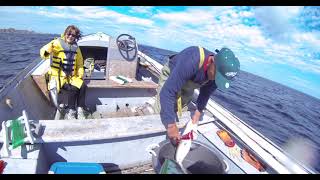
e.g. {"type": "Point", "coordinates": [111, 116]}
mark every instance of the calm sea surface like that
{"type": "Point", "coordinates": [278, 112]}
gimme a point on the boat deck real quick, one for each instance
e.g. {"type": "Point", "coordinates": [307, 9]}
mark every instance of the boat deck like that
{"type": "Point", "coordinates": [89, 130]}
{"type": "Point", "coordinates": [141, 169]}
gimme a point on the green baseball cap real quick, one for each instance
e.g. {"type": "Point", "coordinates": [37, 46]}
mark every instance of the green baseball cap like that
{"type": "Point", "coordinates": [227, 67]}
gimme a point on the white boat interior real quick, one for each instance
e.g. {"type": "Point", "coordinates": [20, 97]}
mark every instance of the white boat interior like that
{"type": "Point", "coordinates": [118, 132]}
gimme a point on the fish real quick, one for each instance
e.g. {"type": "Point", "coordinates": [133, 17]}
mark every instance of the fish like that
{"type": "Point", "coordinates": [54, 97]}
{"type": "Point", "coordinates": [9, 103]}
{"type": "Point", "coordinates": [185, 143]}
{"type": "Point", "coordinates": [54, 93]}
{"type": "Point", "coordinates": [183, 148]}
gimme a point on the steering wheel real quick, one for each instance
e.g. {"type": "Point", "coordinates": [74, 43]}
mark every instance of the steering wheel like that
{"type": "Point", "coordinates": [127, 46]}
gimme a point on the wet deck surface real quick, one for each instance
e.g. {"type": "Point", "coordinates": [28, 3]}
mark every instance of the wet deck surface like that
{"type": "Point", "coordinates": [142, 169]}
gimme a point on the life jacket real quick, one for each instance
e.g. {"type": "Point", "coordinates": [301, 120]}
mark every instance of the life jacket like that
{"type": "Point", "coordinates": [65, 61]}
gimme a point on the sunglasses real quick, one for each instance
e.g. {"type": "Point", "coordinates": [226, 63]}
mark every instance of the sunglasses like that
{"type": "Point", "coordinates": [73, 35]}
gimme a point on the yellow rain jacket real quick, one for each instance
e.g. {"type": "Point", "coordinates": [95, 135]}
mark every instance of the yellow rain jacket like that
{"type": "Point", "coordinates": [66, 63]}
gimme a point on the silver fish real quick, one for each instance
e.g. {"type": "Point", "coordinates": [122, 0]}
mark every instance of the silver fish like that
{"type": "Point", "coordinates": [54, 92]}
{"type": "Point", "coordinates": [54, 97]}
{"type": "Point", "coordinates": [184, 146]}
{"type": "Point", "coordinates": [182, 150]}
{"type": "Point", "coordinates": [9, 103]}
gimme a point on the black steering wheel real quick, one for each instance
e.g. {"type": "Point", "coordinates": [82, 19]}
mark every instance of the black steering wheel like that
{"type": "Point", "coordinates": [127, 46]}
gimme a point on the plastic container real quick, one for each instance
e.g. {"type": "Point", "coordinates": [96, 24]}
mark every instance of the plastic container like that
{"type": "Point", "coordinates": [170, 166]}
{"type": "Point", "coordinates": [76, 168]}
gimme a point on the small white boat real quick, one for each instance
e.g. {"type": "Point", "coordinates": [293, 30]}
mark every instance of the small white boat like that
{"type": "Point", "coordinates": [118, 134]}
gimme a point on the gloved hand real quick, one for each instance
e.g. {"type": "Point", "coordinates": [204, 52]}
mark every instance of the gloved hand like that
{"type": "Point", "coordinates": [50, 48]}
{"type": "Point", "coordinates": [235, 152]}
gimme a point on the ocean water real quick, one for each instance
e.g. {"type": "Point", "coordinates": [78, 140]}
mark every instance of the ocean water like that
{"type": "Point", "coordinates": [18, 51]}
{"type": "Point", "coordinates": [278, 112]}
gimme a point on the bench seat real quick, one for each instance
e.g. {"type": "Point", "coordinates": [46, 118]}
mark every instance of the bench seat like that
{"type": "Point", "coordinates": [111, 84]}
{"type": "Point", "coordinates": [40, 81]}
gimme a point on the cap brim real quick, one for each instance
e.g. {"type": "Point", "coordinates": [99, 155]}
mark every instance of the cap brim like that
{"type": "Point", "coordinates": [221, 82]}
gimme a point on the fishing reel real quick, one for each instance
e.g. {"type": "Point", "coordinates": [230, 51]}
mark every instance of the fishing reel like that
{"type": "Point", "coordinates": [127, 46]}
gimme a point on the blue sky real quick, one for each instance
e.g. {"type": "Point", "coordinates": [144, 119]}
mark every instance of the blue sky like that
{"type": "Point", "coordinates": [279, 43]}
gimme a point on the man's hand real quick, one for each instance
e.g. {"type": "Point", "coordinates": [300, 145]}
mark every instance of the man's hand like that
{"type": "Point", "coordinates": [173, 132]}
{"type": "Point", "coordinates": [196, 117]}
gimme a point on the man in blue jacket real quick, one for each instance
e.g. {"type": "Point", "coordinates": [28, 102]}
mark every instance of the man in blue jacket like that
{"type": "Point", "coordinates": [192, 68]}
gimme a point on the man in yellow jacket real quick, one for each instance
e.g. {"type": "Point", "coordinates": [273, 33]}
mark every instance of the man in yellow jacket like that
{"type": "Point", "coordinates": [67, 69]}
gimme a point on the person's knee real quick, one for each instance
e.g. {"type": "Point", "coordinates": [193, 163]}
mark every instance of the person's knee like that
{"type": "Point", "coordinates": [83, 86]}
